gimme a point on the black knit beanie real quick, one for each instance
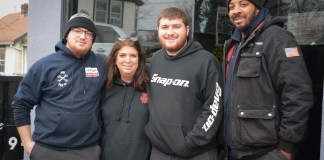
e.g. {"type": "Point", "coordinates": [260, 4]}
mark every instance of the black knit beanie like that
{"type": "Point", "coordinates": [80, 19]}
{"type": "Point", "coordinates": [257, 3]}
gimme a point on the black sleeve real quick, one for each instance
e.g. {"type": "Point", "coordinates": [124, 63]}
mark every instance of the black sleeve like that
{"type": "Point", "coordinates": [291, 80]}
{"type": "Point", "coordinates": [210, 119]}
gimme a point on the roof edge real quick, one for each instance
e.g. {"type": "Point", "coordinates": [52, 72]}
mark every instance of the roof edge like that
{"type": "Point", "coordinates": [6, 43]}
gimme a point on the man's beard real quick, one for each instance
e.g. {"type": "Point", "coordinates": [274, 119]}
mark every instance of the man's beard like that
{"type": "Point", "coordinates": [243, 28]}
{"type": "Point", "coordinates": [175, 48]}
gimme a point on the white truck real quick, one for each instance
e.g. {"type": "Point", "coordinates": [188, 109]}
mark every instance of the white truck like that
{"type": "Point", "coordinates": [106, 37]}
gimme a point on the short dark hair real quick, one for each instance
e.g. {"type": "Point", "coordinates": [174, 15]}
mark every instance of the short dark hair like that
{"type": "Point", "coordinates": [173, 13]}
{"type": "Point", "coordinates": [141, 77]}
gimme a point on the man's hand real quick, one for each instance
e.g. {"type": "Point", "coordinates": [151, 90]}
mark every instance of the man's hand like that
{"type": "Point", "coordinates": [26, 138]}
{"type": "Point", "coordinates": [286, 154]}
{"type": "Point", "coordinates": [28, 146]}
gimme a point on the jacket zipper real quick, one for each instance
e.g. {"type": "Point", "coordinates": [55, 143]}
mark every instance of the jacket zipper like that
{"type": "Point", "coordinates": [229, 115]}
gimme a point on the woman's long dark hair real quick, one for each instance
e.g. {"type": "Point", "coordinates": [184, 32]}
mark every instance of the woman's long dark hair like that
{"type": "Point", "coordinates": [140, 78]}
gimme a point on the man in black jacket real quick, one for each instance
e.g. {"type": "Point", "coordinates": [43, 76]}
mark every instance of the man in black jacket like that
{"type": "Point", "coordinates": [185, 94]}
{"type": "Point", "coordinates": [268, 92]}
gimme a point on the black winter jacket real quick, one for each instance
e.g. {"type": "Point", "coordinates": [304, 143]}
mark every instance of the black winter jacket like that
{"type": "Point", "coordinates": [271, 93]}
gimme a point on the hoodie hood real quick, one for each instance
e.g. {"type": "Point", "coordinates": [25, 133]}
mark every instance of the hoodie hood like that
{"type": "Point", "coordinates": [269, 21]}
{"type": "Point", "coordinates": [61, 47]}
{"type": "Point", "coordinates": [119, 81]}
{"type": "Point", "coordinates": [190, 48]}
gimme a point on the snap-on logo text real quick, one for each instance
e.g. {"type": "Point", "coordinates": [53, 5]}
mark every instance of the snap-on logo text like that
{"type": "Point", "coordinates": [169, 81]}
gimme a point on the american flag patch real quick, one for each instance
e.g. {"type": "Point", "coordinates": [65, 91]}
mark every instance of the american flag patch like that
{"type": "Point", "coordinates": [291, 52]}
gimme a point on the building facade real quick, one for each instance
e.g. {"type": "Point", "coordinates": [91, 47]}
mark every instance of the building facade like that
{"type": "Point", "coordinates": [13, 42]}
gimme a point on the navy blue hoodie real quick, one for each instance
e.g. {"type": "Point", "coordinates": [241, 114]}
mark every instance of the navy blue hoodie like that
{"type": "Point", "coordinates": [66, 91]}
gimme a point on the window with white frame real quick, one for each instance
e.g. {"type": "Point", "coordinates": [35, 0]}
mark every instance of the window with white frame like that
{"type": "Point", "coordinates": [101, 13]}
{"type": "Point", "coordinates": [2, 60]}
{"type": "Point", "coordinates": [109, 11]}
{"type": "Point", "coordinates": [116, 13]}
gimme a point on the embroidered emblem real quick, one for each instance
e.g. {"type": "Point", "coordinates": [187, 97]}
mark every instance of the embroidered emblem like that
{"type": "Point", "coordinates": [91, 72]}
{"type": "Point", "coordinates": [62, 79]}
{"type": "Point", "coordinates": [144, 98]}
{"type": "Point", "coordinates": [291, 52]}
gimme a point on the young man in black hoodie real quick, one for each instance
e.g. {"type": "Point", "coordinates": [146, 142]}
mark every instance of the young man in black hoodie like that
{"type": "Point", "coordinates": [65, 86]}
{"type": "Point", "coordinates": [268, 92]}
{"type": "Point", "coordinates": [185, 94]}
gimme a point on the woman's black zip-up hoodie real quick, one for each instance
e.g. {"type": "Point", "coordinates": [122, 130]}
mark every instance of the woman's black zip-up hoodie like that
{"type": "Point", "coordinates": [67, 93]}
{"type": "Point", "coordinates": [124, 114]}
{"type": "Point", "coordinates": [185, 101]}
{"type": "Point", "coordinates": [268, 92]}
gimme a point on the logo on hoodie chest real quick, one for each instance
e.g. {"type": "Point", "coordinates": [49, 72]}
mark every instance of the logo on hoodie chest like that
{"type": "Point", "coordinates": [169, 81]}
{"type": "Point", "coordinates": [91, 72]}
{"type": "Point", "coordinates": [62, 79]}
{"type": "Point", "coordinates": [144, 98]}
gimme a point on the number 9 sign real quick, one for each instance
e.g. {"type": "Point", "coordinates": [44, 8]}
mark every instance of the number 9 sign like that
{"type": "Point", "coordinates": [12, 142]}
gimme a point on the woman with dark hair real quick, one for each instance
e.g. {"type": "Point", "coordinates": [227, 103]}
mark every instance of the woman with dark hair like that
{"type": "Point", "coordinates": [124, 108]}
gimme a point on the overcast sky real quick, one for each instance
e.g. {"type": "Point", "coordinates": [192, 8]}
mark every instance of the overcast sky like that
{"type": "Point", "coordinates": [10, 6]}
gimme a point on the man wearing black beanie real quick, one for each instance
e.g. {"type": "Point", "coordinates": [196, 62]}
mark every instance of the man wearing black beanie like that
{"type": "Point", "coordinates": [81, 19]}
{"type": "Point", "coordinates": [268, 92]}
{"type": "Point", "coordinates": [65, 86]}
{"type": "Point", "coordinates": [258, 3]}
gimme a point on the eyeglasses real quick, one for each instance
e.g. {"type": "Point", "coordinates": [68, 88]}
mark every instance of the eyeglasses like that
{"type": "Point", "coordinates": [78, 32]}
{"type": "Point", "coordinates": [125, 38]}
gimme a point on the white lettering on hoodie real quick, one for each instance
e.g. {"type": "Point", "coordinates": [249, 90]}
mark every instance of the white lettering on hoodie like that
{"type": "Point", "coordinates": [214, 109]}
{"type": "Point", "coordinates": [169, 81]}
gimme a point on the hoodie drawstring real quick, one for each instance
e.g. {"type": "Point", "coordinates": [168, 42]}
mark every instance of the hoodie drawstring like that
{"type": "Point", "coordinates": [83, 79]}
{"type": "Point", "coordinates": [72, 75]}
{"type": "Point", "coordinates": [128, 109]}
{"type": "Point", "coordinates": [122, 108]}
{"type": "Point", "coordinates": [123, 105]}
